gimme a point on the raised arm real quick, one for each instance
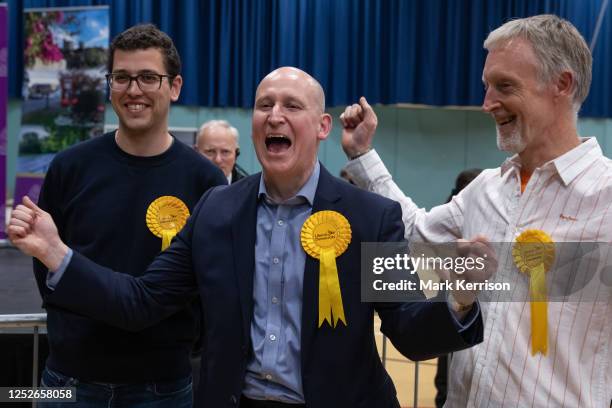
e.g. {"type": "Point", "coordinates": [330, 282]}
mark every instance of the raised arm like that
{"type": "Point", "coordinates": [367, 170]}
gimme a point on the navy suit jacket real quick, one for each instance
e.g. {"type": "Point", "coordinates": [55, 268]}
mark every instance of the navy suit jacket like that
{"type": "Point", "coordinates": [213, 257]}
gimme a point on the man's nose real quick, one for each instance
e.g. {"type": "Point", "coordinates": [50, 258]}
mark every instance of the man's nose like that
{"type": "Point", "coordinates": [276, 116]}
{"type": "Point", "coordinates": [490, 102]}
{"type": "Point", "coordinates": [133, 87]}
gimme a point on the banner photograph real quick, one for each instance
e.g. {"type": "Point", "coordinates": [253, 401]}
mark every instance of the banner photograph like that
{"type": "Point", "coordinates": [63, 87]}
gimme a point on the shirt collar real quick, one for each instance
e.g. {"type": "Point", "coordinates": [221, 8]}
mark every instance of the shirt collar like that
{"type": "Point", "coordinates": [568, 165]}
{"type": "Point", "coordinates": [511, 162]}
{"type": "Point", "coordinates": [307, 191]}
{"type": "Point", "coordinates": [573, 163]}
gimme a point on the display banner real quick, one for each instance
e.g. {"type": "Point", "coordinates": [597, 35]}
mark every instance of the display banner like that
{"type": "Point", "coordinates": [3, 112]}
{"type": "Point", "coordinates": [64, 88]}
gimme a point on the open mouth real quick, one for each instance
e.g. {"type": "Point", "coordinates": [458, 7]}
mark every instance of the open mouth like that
{"type": "Point", "coordinates": [277, 143]}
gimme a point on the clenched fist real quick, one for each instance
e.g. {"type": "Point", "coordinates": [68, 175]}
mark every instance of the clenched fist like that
{"type": "Point", "coordinates": [33, 231]}
{"type": "Point", "coordinates": [358, 127]}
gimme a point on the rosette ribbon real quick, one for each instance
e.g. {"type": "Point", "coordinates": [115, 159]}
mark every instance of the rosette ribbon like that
{"type": "Point", "coordinates": [534, 254]}
{"type": "Point", "coordinates": [166, 216]}
{"type": "Point", "coordinates": [325, 236]}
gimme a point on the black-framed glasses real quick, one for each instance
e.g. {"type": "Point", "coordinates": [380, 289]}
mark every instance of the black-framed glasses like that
{"type": "Point", "coordinates": [147, 82]}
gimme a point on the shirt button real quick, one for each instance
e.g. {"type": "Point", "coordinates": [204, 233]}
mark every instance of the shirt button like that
{"type": "Point", "coordinates": [281, 223]}
{"type": "Point", "coordinates": [268, 377]}
{"type": "Point", "coordinates": [275, 260]}
{"type": "Point", "coordinates": [272, 337]}
{"type": "Point", "coordinates": [274, 300]}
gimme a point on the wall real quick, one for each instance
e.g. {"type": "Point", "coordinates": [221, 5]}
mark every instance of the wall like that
{"type": "Point", "coordinates": [424, 148]}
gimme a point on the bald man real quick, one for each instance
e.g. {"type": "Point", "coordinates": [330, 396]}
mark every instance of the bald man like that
{"type": "Point", "coordinates": [217, 140]}
{"type": "Point", "coordinates": [269, 340]}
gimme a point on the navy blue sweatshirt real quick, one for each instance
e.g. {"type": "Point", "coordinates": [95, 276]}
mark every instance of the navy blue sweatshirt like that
{"type": "Point", "coordinates": [98, 196]}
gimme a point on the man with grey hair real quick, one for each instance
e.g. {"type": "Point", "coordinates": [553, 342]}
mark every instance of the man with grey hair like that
{"type": "Point", "coordinates": [217, 140]}
{"type": "Point", "coordinates": [557, 186]}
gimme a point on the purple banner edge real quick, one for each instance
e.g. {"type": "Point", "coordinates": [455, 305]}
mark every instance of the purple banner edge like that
{"type": "Point", "coordinates": [3, 114]}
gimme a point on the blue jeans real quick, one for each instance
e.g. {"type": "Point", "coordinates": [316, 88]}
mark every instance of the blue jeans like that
{"type": "Point", "coordinates": [164, 394]}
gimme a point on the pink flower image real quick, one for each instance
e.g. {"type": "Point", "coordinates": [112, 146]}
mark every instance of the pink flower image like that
{"type": "Point", "coordinates": [38, 27]}
{"type": "Point", "coordinates": [39, 40]}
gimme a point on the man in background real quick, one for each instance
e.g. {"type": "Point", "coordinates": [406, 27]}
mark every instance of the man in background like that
{"type": "Point", "coordinates": [218, 141]}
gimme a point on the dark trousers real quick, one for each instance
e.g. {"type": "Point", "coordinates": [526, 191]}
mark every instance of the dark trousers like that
{"type": "Point", "coordinates": [161, 394]}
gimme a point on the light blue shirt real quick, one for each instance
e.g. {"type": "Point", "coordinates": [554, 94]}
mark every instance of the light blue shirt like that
{"type": "Point", "coordinates": [275, 371]}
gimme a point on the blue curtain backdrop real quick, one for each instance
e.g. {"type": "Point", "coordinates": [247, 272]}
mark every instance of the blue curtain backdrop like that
{"type": "Point", "coordinates": [392, 51]}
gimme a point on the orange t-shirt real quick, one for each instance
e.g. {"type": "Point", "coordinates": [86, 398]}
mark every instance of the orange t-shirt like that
{"type": "Point", "coordinates": [524, 180]}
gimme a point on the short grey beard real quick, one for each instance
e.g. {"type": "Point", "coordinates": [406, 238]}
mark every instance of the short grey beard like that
{"type": "Point", "coordinates": [512, 144]}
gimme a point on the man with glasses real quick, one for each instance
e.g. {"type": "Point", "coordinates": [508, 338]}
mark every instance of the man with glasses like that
{"type": "Point", "coordinates": [119, 199]}
{"type": "Point", "coordinates": [218, 141]}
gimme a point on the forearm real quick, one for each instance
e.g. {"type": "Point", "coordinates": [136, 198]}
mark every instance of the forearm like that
{"type": "Point", "coordinates": [119, 299]}
{"type": "Point", "coordinates": [423, 330]}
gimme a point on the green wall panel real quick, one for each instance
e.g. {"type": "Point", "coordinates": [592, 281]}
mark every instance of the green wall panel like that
{"type": "Point", "coordinates": [430, 149]}
{"type": "Point", "coordinates": [600, 128]}
{"type": "Point", "coordinates": [424, 148]}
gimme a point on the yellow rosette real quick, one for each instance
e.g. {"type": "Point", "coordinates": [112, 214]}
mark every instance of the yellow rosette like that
{"type": "Point", "coordinates": [325, 236]}
{"type": "Point", "coordinates": [166, 216]}
{"type": "Point", "coordinates": [534, 254]}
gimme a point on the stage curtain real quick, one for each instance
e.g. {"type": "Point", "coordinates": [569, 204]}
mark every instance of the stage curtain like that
{"type": "Point", "coordinates": [393, 51]}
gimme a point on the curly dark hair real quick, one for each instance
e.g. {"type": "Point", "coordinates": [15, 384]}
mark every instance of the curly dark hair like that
{"type": "Point", "coordinates": [142, 37]}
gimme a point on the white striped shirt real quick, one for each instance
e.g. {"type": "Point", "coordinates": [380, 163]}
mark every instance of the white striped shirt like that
{"type": "Point", "coordinates": [570, 198]}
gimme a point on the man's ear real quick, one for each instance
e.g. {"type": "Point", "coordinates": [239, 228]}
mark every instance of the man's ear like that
{"type": "Point", "coordinates": [175, 88]}
{"type": "Point", "coordinates": [565, 83]}
{"type": "Point", "coordinates": [237, 152]}
{"type": "Point", "coordinates": [325, 126]}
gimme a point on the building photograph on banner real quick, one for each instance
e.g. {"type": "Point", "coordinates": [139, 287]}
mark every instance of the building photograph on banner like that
{"type": "Point", "coordinates": [3, 112]}
{"type": "Point", "coordinates": [64, 88]}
